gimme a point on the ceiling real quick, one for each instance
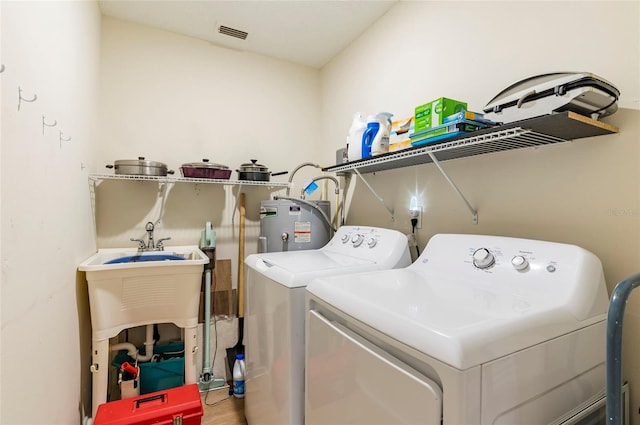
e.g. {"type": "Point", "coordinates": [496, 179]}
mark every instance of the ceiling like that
{"type": "Point", "coordinates": [306, 32]}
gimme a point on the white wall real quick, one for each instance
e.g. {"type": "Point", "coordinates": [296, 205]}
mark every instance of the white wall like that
{"type": "Point", "coordinates": [586, 192]}
{"type": "Point", "coordinates": [50, 49]}
{"type": "Point", "coordinates": [177, 99]}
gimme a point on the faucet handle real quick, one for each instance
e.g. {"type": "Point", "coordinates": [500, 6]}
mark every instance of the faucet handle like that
{"type": "Point", "coordinates": [160, 244]}
{"type": "Point", "coordinates": [141, 244]}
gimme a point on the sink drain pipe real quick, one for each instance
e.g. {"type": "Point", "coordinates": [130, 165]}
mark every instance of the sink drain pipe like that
{"type": "Point", "coordinates": [615, 317]}
{"type": "Point", "coordinates": [132, 350]}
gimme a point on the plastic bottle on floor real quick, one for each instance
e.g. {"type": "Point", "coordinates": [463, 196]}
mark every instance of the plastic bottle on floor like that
{"type": "Point", "coordinates": [238, 376]}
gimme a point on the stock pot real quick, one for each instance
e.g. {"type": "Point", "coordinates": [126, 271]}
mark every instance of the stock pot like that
{"type": "Point", "coordinates": [140, 167]}
{"type": "Point", "coordinates": [256, 172]}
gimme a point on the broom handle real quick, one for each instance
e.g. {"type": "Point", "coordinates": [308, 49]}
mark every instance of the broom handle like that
{"type": "Point", "coordinates": [241, 259]}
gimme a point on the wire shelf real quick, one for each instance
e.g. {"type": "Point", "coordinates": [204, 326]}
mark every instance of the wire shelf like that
{"type": "Point", "coordinates": [513, 138]}
{"type": "Point", "coordinates": [549, 129]}
{"type": "Point", "coordinates": [172, 179]}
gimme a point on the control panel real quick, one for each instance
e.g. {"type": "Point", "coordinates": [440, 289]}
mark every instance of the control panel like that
{"type": "Point", "coordinates": [367, 237]}
{"type": "Point", "coordinates": [516, 274]}
{"type": "Point", "coordinates": [519, 260]}
{"type": "Point", "coordinates": [496, 256]}
{"type": "Point", "coordinates": [368, 242]}
{"type": "Point", "coordinates": [483, 258]}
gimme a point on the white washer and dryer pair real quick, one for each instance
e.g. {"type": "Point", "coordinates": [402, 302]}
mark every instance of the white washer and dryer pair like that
{"type": "Point", "coordinates": [274, 321]}
{"type": "Point", "coordinates": [478, 330]}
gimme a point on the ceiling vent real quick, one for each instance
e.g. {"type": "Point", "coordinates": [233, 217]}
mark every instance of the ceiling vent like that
{"type": "Point", "coordinates": [232, 32]}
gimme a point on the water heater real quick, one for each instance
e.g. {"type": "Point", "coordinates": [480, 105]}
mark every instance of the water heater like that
{"type": "Point", "coordinates": [287, 225]}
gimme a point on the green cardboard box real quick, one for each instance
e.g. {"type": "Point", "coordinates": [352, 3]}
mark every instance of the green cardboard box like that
{"type": "Point", "coordinates": [432, 114]}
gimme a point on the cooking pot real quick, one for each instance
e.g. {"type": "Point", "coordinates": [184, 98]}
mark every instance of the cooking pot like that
{"type": "Point", "coordinates": [256, 172]}
{"type": "Point", "coordinates": [140, 167]}
{"type": "Point", "coordinates": [205, 170]}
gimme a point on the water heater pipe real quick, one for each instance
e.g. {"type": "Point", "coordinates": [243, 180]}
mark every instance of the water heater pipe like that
{"type": "Point", "coordinates": [295, 170]}
{"type": "Point", "coordinates": [337, 192]}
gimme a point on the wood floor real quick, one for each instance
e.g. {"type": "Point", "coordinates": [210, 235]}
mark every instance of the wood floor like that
{"type": "Point", "coordinates": [222, 409]}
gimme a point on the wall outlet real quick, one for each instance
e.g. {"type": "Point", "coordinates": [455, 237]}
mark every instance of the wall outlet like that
{"type": "Point", "coordinates": [416, 214]}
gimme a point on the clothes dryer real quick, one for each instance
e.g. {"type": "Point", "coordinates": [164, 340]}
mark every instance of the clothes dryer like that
{"type": "Point", "coordinates": [274, 323]}
{"type": "Point", "coordinates": [479, 330]}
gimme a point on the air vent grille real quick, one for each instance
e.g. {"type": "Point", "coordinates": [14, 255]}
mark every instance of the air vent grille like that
{"type": "Point", "coordinates": [232, 32]}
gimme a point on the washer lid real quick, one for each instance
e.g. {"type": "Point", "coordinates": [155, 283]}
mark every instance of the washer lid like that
{"type": "Point", "coordinates": [469, 299]}
{"type": "Point", "coordinates": [442, 319]}
{"type": "Point", "coordinates": [297, 268]}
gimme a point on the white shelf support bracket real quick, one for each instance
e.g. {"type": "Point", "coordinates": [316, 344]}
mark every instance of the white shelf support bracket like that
{"type": "Point", "coordinates": [93, 183]}
{"type": "Point", "coordinates": [453, 185]}
{"type": "Point", "coordinates": [164, 187]}
{"type": "Point", "coordinates": [378, 197]}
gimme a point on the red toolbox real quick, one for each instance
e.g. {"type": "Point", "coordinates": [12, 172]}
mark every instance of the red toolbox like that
{"type": "Point", "coordinates": [179, 406]}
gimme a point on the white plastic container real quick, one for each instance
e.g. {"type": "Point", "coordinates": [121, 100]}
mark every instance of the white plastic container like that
{"type": "Point", "coordinates": [354, 139]}
{"type": "Point", "coordinates": [380, 142]}
{"type": "Point", "coordinates": [238, 376]}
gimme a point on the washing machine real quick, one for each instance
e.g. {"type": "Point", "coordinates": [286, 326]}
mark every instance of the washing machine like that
{"type": "Point", "coordinates": [478, 330]}
{"type": "Point", "coordinates": [274, 323]}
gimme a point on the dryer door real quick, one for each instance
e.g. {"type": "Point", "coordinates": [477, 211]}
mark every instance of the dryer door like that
{"type": "Point", "coordinates": [349, 380]}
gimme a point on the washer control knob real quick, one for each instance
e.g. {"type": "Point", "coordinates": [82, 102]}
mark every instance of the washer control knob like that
{"type": "Point", "coordinates": [357, 240]}
{"type": "Point", "coordinates": [345, 238]}
{"type": "Point", "coordinates": [483, 258]}
{"type": "Point", "coordinates": [519, 262]}
{"type": "Point", "coordinates": [371, 242]}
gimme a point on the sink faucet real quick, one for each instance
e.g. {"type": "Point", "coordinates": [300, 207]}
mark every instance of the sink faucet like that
{"type": "Point", "coordinates": [150, 245]}
{"type": "Point", "coordinates": [149, 228]}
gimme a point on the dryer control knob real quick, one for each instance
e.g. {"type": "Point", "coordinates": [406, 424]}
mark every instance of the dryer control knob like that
{"type": "Point", "coordinates": [483, 258]}
{"type": "Point", "coordinates": [371, 242]}
{"type": "Point", "coordinates": [357, 240]}
{"type": "Point", "coordinates": [519, 262]}
{"type": "Point", "coordinates": [345, 238]}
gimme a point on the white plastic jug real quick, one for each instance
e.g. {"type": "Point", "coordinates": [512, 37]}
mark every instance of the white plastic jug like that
{"type": "Point", "coordinates": [375, 139]}
{"type": "Point", "coordinates": [239, 376]}
{"type": "Point", "coordinates": [354, 139]}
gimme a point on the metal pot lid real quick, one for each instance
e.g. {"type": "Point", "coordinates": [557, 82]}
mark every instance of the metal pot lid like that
{"type": "Point", "coordinates": [204, 164]}
{"type": "Point", "coordinates": [139, 162]}
{"type": "Point", "coordinates": [253, 166]}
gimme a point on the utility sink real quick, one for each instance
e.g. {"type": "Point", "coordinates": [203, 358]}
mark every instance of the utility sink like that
{"type": "Point", "coordinates": [128, 288]}
{"type": "Point", "coordinates": [120, 258]}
